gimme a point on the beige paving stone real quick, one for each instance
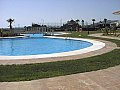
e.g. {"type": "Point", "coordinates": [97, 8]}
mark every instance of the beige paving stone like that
{"type": "Point", "coordinates": [67, 83]}
{"type": "Point", "coordinates": [118, 86]}
{"type": "Point", "coordinates": [104, 78]}
{"type": "Point", "coordinates": [112, 88]}
{"type": "Point", "coordinates": [3, 85]}
{"type": "Point", "coordinates": [115, 70]}
{"type": "Point", "coordinates": [38, 85]}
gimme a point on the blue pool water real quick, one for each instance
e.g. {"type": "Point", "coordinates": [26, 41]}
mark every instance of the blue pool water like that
{"type": "Point", "coordinates": [39, 45]}
{"type": "Point", "coordinates": [34, 35]}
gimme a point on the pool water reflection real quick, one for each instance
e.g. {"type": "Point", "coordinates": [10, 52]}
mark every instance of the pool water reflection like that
{"type": "Point", "coordinates": [39, 45]}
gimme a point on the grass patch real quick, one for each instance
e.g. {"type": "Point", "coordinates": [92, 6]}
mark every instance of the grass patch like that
{"type": "Point", "coordinates": [52, 69]}
{"type": "Point", "coordinates": [84, 34]}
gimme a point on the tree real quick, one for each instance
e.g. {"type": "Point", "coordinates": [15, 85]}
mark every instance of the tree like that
{"type": "Point", "coordinates": [10, 21]}
{"type": "Point", "coordinates": [100, 25]}
{"type": "Point", "coordinates": [105, 20]}
{"type": "Point", "coordinates": [77, 21]}
{"type": "Point", "coordinates": [1, 32]}
{"type": "Point", "coordinates": [82, 23]}
{"type": "Point", "coordinates": [93, 23]}
{"type": "Point", "coordinates": [106, 28]}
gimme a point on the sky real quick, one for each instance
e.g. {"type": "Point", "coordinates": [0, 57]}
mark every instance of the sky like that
{"type": "Point", "coordinates": [26, 12]}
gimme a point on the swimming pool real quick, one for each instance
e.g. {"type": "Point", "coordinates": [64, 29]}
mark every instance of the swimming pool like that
{"type": "Point", "coordinates": [96, 45]}
{"type": "Point", "coordinates": [35, 45]}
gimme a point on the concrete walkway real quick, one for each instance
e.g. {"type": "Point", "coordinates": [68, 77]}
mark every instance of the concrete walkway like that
{"type": "Point", "coordinates": [107, 79]}
{"type": "Point", "coordinates": [100, 35]}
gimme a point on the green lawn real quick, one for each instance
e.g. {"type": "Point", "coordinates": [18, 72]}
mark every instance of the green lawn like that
{"type": "Point", "coordinates": [85, 35]}
{"type": "Point", "coordinates": [61, 68]}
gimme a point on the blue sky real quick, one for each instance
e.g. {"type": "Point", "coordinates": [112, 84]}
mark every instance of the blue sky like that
{"type": "Point", "coordinates": [52, 11]}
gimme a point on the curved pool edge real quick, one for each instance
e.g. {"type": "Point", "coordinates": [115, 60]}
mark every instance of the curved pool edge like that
{"type": "Point", "coordinates": [96, 46]}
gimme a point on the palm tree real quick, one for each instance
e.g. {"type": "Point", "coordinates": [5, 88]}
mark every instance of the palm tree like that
{"type": "Point", "coordinates": [106, 29]}
{"type": "Point", "coordinates": [77, 21]}
{"type": "Point", "coordinates": [0, 32]}
{"type": "Point", "coordinates": [10, 21]}
{"type": "Point", "coordinates": [105, 20]}
{"type": "Point", "coordinates": [100, 25]}
{"type": "Point", "coordinates": [93, 23]}
{"type": "Point", "coordinates": [82, 23]}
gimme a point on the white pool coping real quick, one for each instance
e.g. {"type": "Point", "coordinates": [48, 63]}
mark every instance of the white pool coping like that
{"type": "Point", "coordinates": [96, 46]}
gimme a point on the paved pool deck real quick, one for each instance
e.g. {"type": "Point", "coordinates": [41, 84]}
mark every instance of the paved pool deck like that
{"type": "Point", "coordinates": [100, 35]}
{"type": "Point", "coordinates": [106, 79]}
